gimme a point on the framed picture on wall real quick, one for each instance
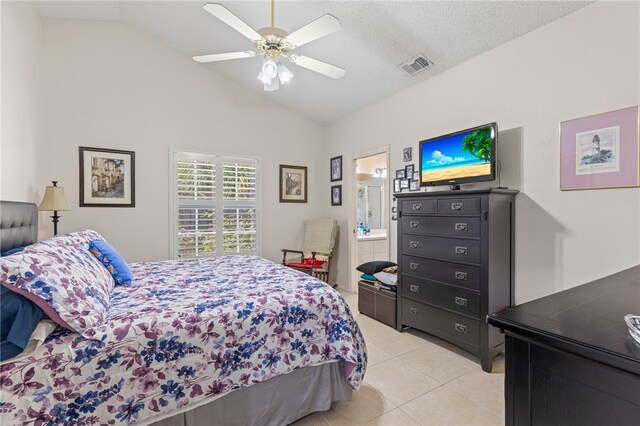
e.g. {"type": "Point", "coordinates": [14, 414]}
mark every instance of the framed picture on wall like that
{"type": "Point", "coordinates": [408, 171]}
{"type": "Point", "coordinates": [336, 195]}
{"type": "Point", "coordinates": [404, 183]}
{"type": "Point", "coordinates": [400, 174]}
{"type": "Point", "coordinates": [396, 185]}
{"type": "Point", "coordinates": [107, 178]}
{"type": "Point", "coordinates": [416, 176]}
{"type": "Point", "coordinates": [414, 185]}
{"type": "Point", "coordinates": [600, 151]}
{"type": "Point", "coordinates": [336, 168]}
{"type": "Point", "coordinates": [406, 154]}
{"type": "Point", "coordinates": [293, 184]}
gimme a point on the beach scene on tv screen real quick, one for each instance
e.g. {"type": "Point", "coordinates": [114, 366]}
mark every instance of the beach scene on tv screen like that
{"type": "Point", "coordinates": [464, 155]}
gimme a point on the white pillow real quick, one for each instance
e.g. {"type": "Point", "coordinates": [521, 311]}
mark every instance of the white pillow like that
{"type": "Point", "coordinates": [386, 277]}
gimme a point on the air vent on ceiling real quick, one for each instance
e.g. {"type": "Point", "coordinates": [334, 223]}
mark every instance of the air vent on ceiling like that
{"type": "Point", "coordinates": [416, 65]}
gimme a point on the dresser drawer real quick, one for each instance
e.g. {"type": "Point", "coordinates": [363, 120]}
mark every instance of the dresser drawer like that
{"type": "Point", "coordinates": [459, 206]}
{"type": "Point", "coordinates": [441, 295]}
{"type": "Point", "coordinates": [453, 249]}
{"type": "Point", "coordinates": [458, 329]}
{"type": "Point", "coordinates": [418, 207]}
{"type": "Point", "coordinates": [449, 273]}
{"type": "Point", "coordinates": [439, 225]}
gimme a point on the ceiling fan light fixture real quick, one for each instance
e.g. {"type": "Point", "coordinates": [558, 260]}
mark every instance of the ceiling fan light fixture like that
{"type": "Point", "coordinates": [270, 68]}
{"type": "Point", "coordinates": [273, 86]}
{"type": "Point", "coordinates": [284, 74]}
{"type": "Point", "coordinates": [263, 78]}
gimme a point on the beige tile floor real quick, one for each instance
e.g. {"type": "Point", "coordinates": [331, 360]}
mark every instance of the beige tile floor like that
{"type": "Point", "coordinates": [417, 379]}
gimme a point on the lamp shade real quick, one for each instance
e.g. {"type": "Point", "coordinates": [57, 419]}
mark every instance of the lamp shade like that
{"type": "Point", "coordinates": [54, 199]}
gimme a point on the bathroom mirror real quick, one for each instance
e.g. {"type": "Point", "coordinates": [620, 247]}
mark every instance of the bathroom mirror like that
{"type": "Point", "coordinates": [370, 203]}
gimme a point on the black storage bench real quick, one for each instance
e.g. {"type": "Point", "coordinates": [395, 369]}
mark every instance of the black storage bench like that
{"type": "Point", "coordinates": [377, 303]}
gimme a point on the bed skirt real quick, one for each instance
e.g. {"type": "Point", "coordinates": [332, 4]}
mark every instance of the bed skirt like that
{"type": "Point", "coordinates": [278, 401]}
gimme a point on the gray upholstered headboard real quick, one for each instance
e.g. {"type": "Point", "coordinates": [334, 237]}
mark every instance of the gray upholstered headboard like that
{"type": "Point", "coordinates": [18, 224]}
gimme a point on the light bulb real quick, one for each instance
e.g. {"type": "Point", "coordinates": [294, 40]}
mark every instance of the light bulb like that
{"type": "Point", "coordinates": [263, 78]}
{"type": "Point", "coordinates": [284, 74]}
{"type": "Point", "coordinates": [270, 68]}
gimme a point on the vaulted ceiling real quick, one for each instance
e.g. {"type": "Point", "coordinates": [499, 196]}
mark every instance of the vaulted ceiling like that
{"type": "Point", "coordinates": [376, 37]}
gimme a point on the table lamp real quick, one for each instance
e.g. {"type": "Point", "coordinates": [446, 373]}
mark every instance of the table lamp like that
{"type": "Point", "coordinates": [54, 201]}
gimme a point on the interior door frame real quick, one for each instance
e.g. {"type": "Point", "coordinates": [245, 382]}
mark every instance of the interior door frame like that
{"type": "Point", "coordinates": [352, 183]}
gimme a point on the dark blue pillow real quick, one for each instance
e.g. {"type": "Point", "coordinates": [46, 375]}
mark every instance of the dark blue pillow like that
{"type": "Point", "coordinates": [112, 260]}
{"type": "Point", "coordinates": [19, 318]}
{"type": "Point", "coordinates": [12, 251]}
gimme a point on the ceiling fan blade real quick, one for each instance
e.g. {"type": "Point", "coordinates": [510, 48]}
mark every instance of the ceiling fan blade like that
{"type": "Point", "coordinates": [324, 25]}
{"type": "Point", "coordinates": [318, 66]}
{"type": "Point", "coordinates": [223, 14]}
{"type": "Point", "coordinates": [223, 56]}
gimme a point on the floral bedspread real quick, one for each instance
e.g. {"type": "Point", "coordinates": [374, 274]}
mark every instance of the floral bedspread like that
{"type": "Point", "coordinates": [185, 331]}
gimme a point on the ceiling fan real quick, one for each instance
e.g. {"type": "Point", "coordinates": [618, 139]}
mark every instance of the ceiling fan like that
{"type": "Point", "coordinates": [275, 43]}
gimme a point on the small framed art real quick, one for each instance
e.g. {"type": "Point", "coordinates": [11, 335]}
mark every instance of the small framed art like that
{"type": "Point", "coordinates": [600, 151]}
{"type": "Point", "coordinates": [336, 195]}
{"type": "Point", "coordinates": [406, 154]}
{"type": "Point", "coordinates": [107, 178]}
{"type": "Point", "coordinates": [400, 174]}
{"type": "Point", "coordinates": [416, 176]}
{"type": "Point", "coordinates": [414, 185]}
{"type": "Point", "coordinates": [408, 171]}
{"type": "Point", "coordinates": [336, 168]}
{"type": "Point", "coordinates": [293, 184]}
{"type": "Point", "coordinates": [396, 185]}
{"type": "Point", "coordinates": [404, 183]}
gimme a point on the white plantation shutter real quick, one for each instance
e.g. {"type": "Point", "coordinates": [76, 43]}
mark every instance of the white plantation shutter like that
{"type": "Point", "coordinates": [214, 205]}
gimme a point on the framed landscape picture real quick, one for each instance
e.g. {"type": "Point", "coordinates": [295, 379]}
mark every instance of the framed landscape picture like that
{"type": "Point", "coordinates": [600, 151]}
{"type": "Point", "coordinates": [336, 195]}
{"type": "Point", "coordinates": [107, 178]}
{"type": "Point", "coordinates": [293, 184]}
{"type": "Point", "coordinates": [336, 168]}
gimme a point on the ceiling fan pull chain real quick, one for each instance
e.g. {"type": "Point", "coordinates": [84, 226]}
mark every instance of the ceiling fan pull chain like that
{"type": "Point", "coordinates": [273, 13]}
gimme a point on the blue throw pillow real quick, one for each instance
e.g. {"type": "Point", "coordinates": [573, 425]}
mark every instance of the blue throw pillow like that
{"type": "Point", "coordinates": [12, 251]}
{"type": "Point", "coordinates": [19, 317]}
{"type": "Point", "coordinates": [112, 260]}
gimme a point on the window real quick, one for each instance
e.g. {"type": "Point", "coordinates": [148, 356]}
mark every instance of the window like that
{"type": "Point", "coordinates": [214, 205]}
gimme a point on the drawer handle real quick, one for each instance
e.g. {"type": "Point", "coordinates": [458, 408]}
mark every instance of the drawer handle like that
{"type": "Point", "coordinates": [417, 206]}
{"type": "Point", "coordinates": [457, 206]}
{"type": "Point", "coordinates": [413, 266]}
{"type": "Point", "coordinates": [414, 224]}
{"type": "Point", "coordinates": [461, 250]}
{"type": "Point", "coordinates": [414, 288]}
{"type": "Point", "coordinates": [460, 227]}
{"type": "Point", "coordinates": [414, 311]}
{"type": "Point", "coordinates": [461, 328]}
{"type": "Point", "coordinates": [414, 244]}
{"type": "Point", "coordinates": [461, 301]}
{"type": "Point", "coordinates": [461, 275]}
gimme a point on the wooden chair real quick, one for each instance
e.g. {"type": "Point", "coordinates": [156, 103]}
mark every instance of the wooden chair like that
{"type": "Point", "coordinates": [317, 247]}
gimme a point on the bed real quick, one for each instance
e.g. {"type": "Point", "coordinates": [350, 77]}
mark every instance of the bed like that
{"type": "Point", "coordinates": [224, 340]}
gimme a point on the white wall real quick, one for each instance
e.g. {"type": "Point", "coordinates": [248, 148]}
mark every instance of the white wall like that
{"type": "Point", "coordinates": [21, 104]}
{"type": "Point", "coordinates": [108, 86]}
{"type": "Point", "coordinates": [585, 63]}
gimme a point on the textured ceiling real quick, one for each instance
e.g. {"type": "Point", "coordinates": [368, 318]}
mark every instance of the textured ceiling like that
{"type": "Point", "coordinates": [375, 38]}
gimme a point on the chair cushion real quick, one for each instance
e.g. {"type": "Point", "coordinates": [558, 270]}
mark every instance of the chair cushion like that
{"type": "Point", "coordinates": [299, 265]}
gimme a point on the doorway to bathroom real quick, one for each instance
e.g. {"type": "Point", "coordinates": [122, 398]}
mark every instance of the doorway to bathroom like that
{"type": "Point", "coordinates": [369, 210]}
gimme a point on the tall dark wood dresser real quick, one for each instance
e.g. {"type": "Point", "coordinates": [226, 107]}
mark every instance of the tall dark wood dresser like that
{"type": "Point", "coordinates": [455, 265]}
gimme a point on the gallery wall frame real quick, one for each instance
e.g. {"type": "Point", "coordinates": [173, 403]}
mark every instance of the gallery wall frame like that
{"type": "Point", "coordinates": [601, 151]}
{"type": "Point", "coordinates": [336, 168]}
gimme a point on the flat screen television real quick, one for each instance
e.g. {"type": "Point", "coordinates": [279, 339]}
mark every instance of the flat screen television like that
{"type": "Point", "coordinates": [462, 157]}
